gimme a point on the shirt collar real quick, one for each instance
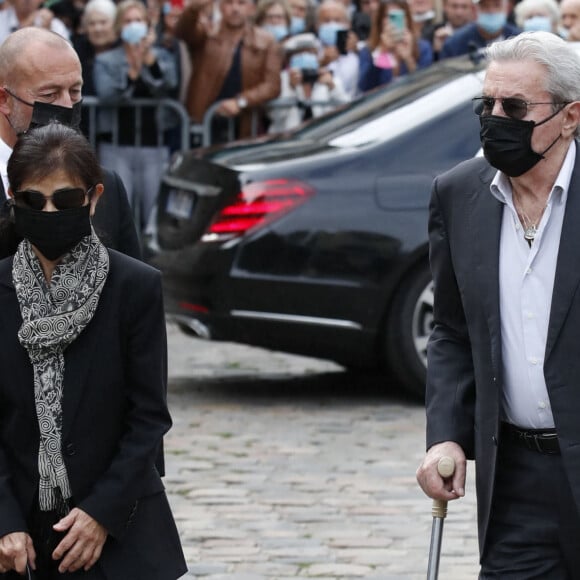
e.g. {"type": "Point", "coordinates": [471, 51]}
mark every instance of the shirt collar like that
{"type": "Point", "coordinates": [501, 187]}
{"type": "Point", "coordinates": [5, 152]}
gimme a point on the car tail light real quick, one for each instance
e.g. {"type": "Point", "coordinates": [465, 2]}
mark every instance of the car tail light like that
{"type": "Point", "coordinates": [257, 203]}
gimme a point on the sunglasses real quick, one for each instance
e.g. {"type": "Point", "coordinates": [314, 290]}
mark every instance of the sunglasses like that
{"type": "Point", "coordinates": [514, 108]}
{"type": "Point", "coordinates": [65, 198]}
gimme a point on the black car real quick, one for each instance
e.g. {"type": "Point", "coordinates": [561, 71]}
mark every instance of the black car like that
{"type": "Point", "coordinates": [315, 242]}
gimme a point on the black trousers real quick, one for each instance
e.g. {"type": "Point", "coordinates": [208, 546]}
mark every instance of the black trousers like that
{"type": "Point", "coordinates": [534, 531]}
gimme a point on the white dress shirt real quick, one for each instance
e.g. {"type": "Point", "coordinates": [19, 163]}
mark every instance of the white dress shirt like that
{"type": "Point", "coordinates": [526, 282]}
{"type": "Point", "coordinates": [5, 152]}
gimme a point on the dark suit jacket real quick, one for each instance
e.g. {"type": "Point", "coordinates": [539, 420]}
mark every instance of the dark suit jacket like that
{"type": "Point", "coordinates": [465, 377]}
{"type": "Point", "coordinates": [468, 37]}
{"type": "Point", "coordinates": [113, 220]}
{"type": "Point", "coordinates": [114, 417]}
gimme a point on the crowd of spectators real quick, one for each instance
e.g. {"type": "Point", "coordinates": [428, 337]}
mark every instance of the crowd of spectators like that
{"type": "Point", "coordinates": [234, 57]}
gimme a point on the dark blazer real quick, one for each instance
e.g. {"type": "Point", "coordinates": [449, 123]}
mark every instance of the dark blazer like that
{"type": "Point", "coordinates": [464, 379]}
{"type": "Point", "coordinates": [468, 38]}
{"type": "Point", "coordinates": [113, 220]}
{"type": "Point", "coordinates": [114, 417]}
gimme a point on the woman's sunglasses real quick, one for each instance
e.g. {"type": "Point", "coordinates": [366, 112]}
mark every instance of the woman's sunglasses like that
{"type": "Point", "coordinates": [514, 108]}
{"type": "Point", "coordinates": [65, 198]}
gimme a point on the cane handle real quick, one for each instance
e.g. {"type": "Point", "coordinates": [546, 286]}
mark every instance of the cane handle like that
{"type": "Point", "coordinates": [445, 468]}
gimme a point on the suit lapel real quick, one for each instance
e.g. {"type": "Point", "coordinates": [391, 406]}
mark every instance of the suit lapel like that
{"type": "Point", "coordinates": [486, 217]}
{"type": "Point", "coordinates": [567, 275]}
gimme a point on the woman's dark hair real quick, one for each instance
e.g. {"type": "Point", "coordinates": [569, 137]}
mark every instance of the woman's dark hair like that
{"type": "Point", "coordinates": [377, 23]}
{"type": "Point", "coordinates": [44, 150]}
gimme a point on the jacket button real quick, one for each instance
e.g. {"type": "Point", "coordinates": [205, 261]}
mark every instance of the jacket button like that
{"type": "Point", "coordinates": [70, 449]}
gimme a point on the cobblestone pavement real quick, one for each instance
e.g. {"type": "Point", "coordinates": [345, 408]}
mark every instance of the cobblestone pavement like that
{"type": "Point", "coordinates": [286, 467]}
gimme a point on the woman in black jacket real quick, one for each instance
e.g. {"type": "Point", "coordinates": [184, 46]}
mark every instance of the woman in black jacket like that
{"type": "Point", "coordinates": [83, 396]}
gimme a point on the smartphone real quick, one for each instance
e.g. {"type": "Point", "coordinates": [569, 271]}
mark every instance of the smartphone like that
{"type": "Point", "coordinates": [341, 36]}
{"type": "Point", "coordinates": [397, 19]}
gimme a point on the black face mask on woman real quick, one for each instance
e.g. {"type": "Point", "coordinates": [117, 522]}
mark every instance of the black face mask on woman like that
{"type": "Point", "coordinates": [507, 143]}
{"type": "Point", "coordinates": [53, 233]}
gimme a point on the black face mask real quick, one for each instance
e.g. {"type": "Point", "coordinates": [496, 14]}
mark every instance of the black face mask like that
{"type": "Point", "coordinates": [507, 143]}
{"type": "Point", "coordinates": [53, 233]}
{"type": "Point", "coordinates": [45, 113]}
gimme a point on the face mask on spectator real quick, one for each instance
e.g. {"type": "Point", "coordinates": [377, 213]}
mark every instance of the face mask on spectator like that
{"type": "Point", "coordinates": [535, 23]}
{"type": "Point", "coordinates": [297, 25]}
{"type": "Point", "coordinates": [278, 31]}
{"type": "Point", "coordinates": [491, 22]}
{"type": "Point", "coordinates": [563, 32]}
{"type": "Point", "coordinates": [304, 60]}
{"type": "Point", "coordinates": [134, 32]}
{"type": "Point", "coordinates": [327, 32]}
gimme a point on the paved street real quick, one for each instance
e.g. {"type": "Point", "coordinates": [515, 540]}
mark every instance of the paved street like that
{"type": "Point", "coordinates": [283, 467]}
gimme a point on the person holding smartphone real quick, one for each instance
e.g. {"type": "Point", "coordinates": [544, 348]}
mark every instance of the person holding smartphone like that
{"type": "Point", "coordinates": [392, 49]}
{"type": "Point", "coordinates": [313, 88]}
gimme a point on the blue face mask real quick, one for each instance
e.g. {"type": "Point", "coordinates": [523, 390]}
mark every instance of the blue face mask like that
{"type": "Point", "coordinates": [134, 32]}
{"type": "Point", "coordinates": [304, 60]}
{"type": "Point", "coordinates": [297, 25]}
{"type": "Point", "coordinates": [327, 32]}
{"type": "Point", "coordinates": [535, 23]}
{"type": "Point", "coordinates": [563, 32]}
{"type": "Point", "coordinates": [278, 31]}
{"type": "Point", "coordinates": [491, 22]}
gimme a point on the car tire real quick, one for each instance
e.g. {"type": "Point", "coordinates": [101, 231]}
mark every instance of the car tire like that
{"type": "Point", "coordinates": [408, 329]}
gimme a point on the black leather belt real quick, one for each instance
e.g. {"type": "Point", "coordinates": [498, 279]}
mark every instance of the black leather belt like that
{"type": "Point", "coordinates": [540, 440]}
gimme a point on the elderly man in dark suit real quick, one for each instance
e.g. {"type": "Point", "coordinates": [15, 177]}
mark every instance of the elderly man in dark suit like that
{"type": "Point", "coordinates": [40, 80]}
{"type": "Point", "coordinates": [503, 383]}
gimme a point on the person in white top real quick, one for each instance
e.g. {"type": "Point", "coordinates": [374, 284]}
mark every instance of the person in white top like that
{"type": "Point", "coordinates": [310, 91]}
{"type": "Point", "coordinates": [21, 13]}
{"type": "Point", "coordinates": [503, 378]}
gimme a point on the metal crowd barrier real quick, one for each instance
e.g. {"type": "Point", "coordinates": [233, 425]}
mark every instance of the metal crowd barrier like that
{"type": "Point", "coordinates": [202, 132]}
{"type": "Point", "coordinates": [94, 104]}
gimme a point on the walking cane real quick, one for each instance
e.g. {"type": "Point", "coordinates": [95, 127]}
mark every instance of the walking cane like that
{"type": "Point", "coordinates": [445, 467]}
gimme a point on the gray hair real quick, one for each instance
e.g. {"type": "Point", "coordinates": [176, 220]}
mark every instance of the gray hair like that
{"type": "Point", "coordinates": [523, 8]}
{"type": "Point", "coordinates": [106, 7]}
{"type": "Point", "coordinates": [558, 57]}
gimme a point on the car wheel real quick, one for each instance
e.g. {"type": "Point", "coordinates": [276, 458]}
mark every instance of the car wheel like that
{"type": "Point", "coordinates": [408, 330]}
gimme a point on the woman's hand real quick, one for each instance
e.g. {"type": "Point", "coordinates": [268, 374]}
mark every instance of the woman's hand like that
{"type": "Point", "coordinates": [388, 38]}
{"type": "Point", "coordinates": [325, 77]}
{"type": "Point", "coordinates": [83, 543]}
{"type": "Point", "coordinates": [140, 54]}
{"type": "Point", "coordinates": [404, 50]}
{"type": "Point", "coordinates": [16, 550]}
{"type": "Point", "coordinates": [295, 77]}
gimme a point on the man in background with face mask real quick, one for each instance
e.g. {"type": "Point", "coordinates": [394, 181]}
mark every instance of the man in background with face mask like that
{"type": "Point", "coordinates": [490, 25]}
{"type": "Point", "coordinates": [41, 80]}
{"type": "Point", "coordinates": [503, 366]}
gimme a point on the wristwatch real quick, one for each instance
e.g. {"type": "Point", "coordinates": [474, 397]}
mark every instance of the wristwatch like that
{"type": "Point", "coordinates": [242, 102]}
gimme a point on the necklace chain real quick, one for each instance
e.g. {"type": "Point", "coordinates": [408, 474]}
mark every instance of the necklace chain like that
{"type": "Point", "coordinates": [530, 227]}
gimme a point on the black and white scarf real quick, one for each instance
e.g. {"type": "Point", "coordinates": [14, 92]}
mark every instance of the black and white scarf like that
{"type": "Point", "coordinates": [53, 316]}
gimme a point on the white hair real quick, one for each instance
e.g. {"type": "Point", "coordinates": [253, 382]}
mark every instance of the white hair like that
{"type": "Point", "coordinates": [559, 58]}
{"type": "Point", "coordinates": [106, 7]}
{"type": "Point", "coordinates": [525, 7]}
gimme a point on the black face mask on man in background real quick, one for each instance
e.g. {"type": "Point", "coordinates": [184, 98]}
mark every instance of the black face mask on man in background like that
{"type": "Point", "coordinates": [507, 143]}
{"type": "Point", "coordinates": [45, 113]}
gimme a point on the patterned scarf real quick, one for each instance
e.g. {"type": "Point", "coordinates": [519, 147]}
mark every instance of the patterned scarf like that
{"type": "Point", "coordinates": [53, 316]}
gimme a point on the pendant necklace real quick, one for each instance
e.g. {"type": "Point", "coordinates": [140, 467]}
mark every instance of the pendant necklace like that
{"type": "Point", "coordinates": [530, 228]}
